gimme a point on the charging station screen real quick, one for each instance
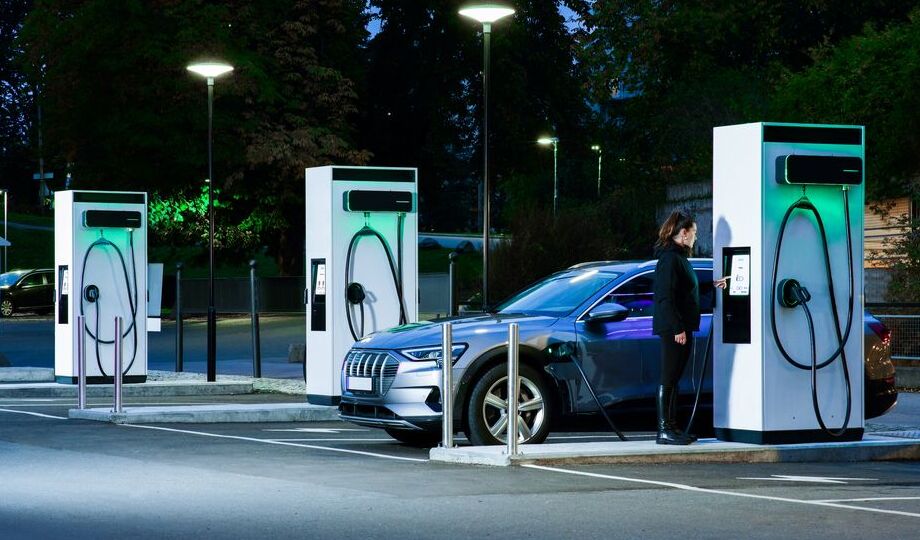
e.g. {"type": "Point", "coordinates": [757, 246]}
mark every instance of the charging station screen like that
{"type": "Point", "coordinates": [740, 281]}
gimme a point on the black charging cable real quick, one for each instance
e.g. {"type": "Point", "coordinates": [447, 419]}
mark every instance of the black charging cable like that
{"type": "Point", "coordinates": [791, 294]}
{"type": "Point", "coordinates": [368, 231]}
{"type": "Point", "coordinates": [91, 294]}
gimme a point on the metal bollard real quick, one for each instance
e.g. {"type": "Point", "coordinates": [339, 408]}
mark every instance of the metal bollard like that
{"type": "Point", "coordinates": [514, 386]}
{"type": "Point", "coordinates": [452, 279]}
{"type": "Point", "coordinates": [447, 402]}
{"type": "Point", "coordinates": [254, 315]}
{"type": "Point", "coordinates": [179, 344]}
{"type": "Point", "coordinates": [119, 351]}
{"type": "Point", "coordinates": [81, 362]}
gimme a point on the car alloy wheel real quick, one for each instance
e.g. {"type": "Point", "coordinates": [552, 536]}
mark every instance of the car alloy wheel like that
{"type": "Point", "coordinates": [489, 408]}
{"type": "Point", "coordinates": [6, 308]}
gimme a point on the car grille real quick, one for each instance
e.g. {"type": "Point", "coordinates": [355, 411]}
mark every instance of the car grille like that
{"type": "Point", "coordinates": [379, 366]}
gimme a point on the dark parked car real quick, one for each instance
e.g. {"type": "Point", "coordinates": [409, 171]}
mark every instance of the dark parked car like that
{"type": "Point", "coordinates": [391, 379]}
{"type": "Point", "coordinates": [26, 290]}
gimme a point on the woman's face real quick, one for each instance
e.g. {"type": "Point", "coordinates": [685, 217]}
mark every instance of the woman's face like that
{"type": "Point", "coordinates": [687, 237]}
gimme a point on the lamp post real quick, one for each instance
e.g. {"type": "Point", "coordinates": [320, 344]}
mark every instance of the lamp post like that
{"type": "Point", "coordinates": [211, 70]}
{"type": "Point", "coordinates": [600, 152]}
{"type": "Point", "coordinates": [485, 14]}
{"type": "Point", "coordinates": [555, 142]}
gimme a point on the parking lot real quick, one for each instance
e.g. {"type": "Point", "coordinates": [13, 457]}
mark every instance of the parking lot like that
{"type": "Point", "coordinates": [332, 479]}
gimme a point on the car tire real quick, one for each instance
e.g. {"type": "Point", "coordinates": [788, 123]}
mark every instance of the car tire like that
{"type": "Point", "coordinates": [6, 308]}
{"type": "Point", "coordinates": [419, 439]}
{"type": "Point", "coordinates": [487, 419]}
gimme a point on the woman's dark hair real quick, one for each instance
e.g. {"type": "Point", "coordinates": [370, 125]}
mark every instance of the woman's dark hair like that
{"type": "Point", "coordinates": [678, 220]}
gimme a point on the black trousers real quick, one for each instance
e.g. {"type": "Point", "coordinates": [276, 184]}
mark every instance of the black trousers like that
{"type": "Point", "coordinates": [674, 357]}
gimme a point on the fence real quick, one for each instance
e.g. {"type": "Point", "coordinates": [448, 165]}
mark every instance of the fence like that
{"type": "Point", "coordinates": [280, 294]}
{"type": "Point", "coordinates": [903, 320]}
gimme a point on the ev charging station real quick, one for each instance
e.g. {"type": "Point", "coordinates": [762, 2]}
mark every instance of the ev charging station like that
{"type": "Point", "coordinates": [788, 332]}
{"type": "Point", "coordinates": [362, 268]}
{"type": "Point", "coordinates": [100, 254]}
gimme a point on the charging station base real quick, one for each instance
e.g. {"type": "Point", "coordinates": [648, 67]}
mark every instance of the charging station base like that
{"type": "Point", "coordinates": [785, 437]}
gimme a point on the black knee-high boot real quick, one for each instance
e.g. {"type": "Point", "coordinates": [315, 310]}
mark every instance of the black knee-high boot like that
{"type": "Point", "coordinates": [676, 418]}
{"type": "Point", "coordinates": [667, 429]}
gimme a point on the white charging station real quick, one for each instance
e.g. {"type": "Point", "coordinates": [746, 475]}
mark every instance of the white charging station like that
{"type": "Point", "coordinates": [362, 266]}
{"type": "Point", "coordinates": [100, 254]}
{"type": "Point", "coordinates": [807, 174]}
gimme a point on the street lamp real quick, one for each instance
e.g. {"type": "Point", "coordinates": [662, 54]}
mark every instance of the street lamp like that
{"type": "Point", "coordinates": [486, 14]}
{"type": "Point", "coordinates": [211, 70]}
{"type": "Point", "coordinates": [600, 153]}
{"type": "Point", "coordinates": [555, 142]}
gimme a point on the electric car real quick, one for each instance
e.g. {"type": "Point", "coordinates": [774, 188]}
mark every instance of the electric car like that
{"type": "Point", "coordinates": [26, 290]}
{"type": "Point", "coordinates": [598, 314]}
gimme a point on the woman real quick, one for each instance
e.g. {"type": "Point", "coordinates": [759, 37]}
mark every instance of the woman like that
{"type": "Point", "coordinates": [676, 316]}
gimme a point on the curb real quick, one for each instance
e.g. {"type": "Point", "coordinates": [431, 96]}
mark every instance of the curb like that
{"type": "Point", "coordinates": [147, 389]}
{"type": "Point", "coordinates": [211, 414]}
{"type": "Point", "coordinates": [871, 448]}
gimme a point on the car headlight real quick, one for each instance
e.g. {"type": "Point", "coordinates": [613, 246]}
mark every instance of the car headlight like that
{"type": "Point", "coordinates": [434, 353]}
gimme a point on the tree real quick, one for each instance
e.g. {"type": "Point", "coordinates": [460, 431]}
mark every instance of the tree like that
{"type": "Point", "coordinates": [15, 102]}
{"type": "Point", "coordinates": [868, 79]}
{"type": "Point", "coordinates": [681, 67]}
{"type": "Point", "coordinates": [123, 111]}
{"type": "Point", "coordinates": [424, 107]}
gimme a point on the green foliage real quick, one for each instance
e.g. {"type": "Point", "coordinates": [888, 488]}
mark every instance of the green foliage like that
{"type": "Point", "coordinates": [665, 73]}
{"type": "Point", "coordinates": [183, 221]}
{"type": "Point", "coordinates": [121, 109]}
{"type": "Point", "coordinates": [869, 79]}
{"type": "Point", "coordinates": [614, 228]}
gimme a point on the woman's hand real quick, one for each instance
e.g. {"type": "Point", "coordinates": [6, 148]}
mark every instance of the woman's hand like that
{"type": "Point", "coordinates": [721, 283]}
{"type": "Point", "coordinates": [681, 338]}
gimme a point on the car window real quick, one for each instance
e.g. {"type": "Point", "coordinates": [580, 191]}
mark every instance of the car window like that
{"type": "Point", "coordinates": [706, 290]}
{"type": "Point", "coordinates": [48, 278]}
{"type": "Point", "coordinates": [559, 294]}
{"type": "Point", "coordinates": [636, 295]}
{"type": "Point", "coordinates": [10, 278]}
{"type": "Point", "coordinates": [34, 279]}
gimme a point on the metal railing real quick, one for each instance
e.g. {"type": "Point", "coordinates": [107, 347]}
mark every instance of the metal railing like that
{"type": "Point", "coordinates": [903, 321]}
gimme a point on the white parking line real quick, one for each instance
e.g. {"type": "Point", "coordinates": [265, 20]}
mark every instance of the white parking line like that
{"type": "Point", "coordinates": [685, 487]}
{"type": "Point", "coordinates": [871, 499]}
{"type": "Point", "coordinates": [270, 441]}
{"type": "Point", "coordinates": [34, 414]}
{"type": "Point", "coordinates": [333, 440]}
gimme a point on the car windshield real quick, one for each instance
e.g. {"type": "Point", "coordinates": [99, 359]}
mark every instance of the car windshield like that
{"type": "Point", "coordinates": [559, 294]}
{"type": "Point", "coordinates": [10, 278]}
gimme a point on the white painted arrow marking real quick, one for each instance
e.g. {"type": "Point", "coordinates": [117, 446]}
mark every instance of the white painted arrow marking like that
{"type": "Point", "coordinates": [315, 430]}
{"type": "Point", "coordinates": [815, 479]}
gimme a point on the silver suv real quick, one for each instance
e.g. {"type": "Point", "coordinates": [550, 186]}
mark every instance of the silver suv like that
{"type": "Point", "coordinates": [391, 379]}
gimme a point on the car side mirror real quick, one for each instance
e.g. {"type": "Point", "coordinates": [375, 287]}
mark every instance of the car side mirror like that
{"type": "Point", "coordinates": [607, 313]}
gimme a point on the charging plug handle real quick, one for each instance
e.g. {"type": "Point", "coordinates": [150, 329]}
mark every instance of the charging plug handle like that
{"type": "Point", "coordinates": [91, 293]}
{"type": "Point", "coordinates": [790, 293]}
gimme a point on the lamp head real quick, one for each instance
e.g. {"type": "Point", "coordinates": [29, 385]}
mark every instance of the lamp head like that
{"type": "Point", "coordinates": [486, 13]}
{"type": "Point", "coordinates": [547, 140]}
{"type": "Point", "coordinates": [596, 147]}
{"type": "Point", "coordinates": [209, 69]}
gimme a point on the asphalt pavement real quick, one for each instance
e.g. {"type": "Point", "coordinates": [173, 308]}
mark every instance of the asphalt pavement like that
{"type": "Point", "coordinates": [338, 480]}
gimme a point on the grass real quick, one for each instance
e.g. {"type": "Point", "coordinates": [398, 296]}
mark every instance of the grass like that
{"type": "Point", "coordinates": [30, 249]}
{"type": "Point", "coordinates": [30, 219]}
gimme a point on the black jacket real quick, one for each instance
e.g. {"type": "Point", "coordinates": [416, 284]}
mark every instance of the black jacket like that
{"type": "Point", "coordinates": [677, 294]}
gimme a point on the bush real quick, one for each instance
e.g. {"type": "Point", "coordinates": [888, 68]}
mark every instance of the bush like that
{"type": "Point", "coordinates": [616, 228]}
